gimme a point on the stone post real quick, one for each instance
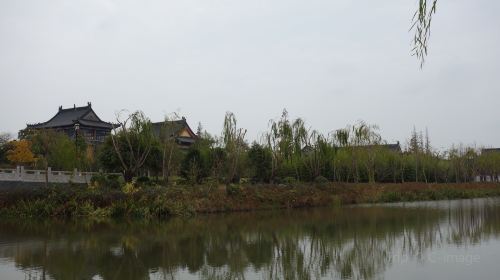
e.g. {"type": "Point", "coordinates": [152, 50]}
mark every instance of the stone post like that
{"type": "Point", "coordinates": [21, 173]}
{"type": "Point", "coordinates": [49, 174]}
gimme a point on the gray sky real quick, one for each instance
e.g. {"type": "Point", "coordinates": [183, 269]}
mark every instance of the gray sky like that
{"type": "Point", "coordinates": [329, 62]}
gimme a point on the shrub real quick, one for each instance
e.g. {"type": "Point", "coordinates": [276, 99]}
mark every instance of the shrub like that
{"type": "Point", "coordinates": [320, 180]}
{"type": "Point", "coordinates": [143, 181]}
{"type": "Point", "coordinates": [193, 167]}
{"type": "Point", "coordinates": [114, 181]}
{"type": "Point", "coordinates": [233, 189]}
{"type": "Point", "coordinates": [260, 160]}
{"type": "Point", "coordinates": [98, 180]}
{"type": "Point", "coordinates": [129, 188]}
{"type": "Point", "coordinates": [289, 180]}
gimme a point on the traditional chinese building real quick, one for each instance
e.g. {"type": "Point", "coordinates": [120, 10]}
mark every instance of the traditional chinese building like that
{"type": "Point", "coordinates": [178, 129]}
{"type": "Point", "coordinates": [81, 121]}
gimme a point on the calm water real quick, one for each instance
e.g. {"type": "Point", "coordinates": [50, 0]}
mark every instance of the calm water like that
{"type": "Point", "coordinates": [428, 240]}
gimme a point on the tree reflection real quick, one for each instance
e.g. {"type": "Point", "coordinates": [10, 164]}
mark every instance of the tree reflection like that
{"type": "Point", "coordinates": [344, 243]}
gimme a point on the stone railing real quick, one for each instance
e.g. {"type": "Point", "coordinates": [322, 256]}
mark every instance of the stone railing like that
{"type": "Point", "coordinates": [487, 178]}
{"type": "Point", "coordinates": [23, 175]}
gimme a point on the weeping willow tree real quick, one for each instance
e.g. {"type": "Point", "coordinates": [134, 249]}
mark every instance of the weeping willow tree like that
{"type": "Point", "coordinates": [421, 26]}
{"type": "Point", "coordinates": [234, 145]}
{"type": "Point", "coordinates": [287, 140]}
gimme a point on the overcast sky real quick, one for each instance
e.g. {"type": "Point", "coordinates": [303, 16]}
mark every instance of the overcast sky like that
{"type": "Point", "coordinates": [329, 62]}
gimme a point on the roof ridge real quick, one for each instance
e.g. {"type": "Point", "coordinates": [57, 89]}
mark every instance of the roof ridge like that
{"type": "Point", "coordinates": [74, 108]}
{"type": "Point", "coordinates": [181, 120]}
{"type": "Point", "coordinates": [99, 121]}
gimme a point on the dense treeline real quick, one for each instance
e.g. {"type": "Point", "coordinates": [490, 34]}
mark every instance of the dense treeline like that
{"type": "Point", "coordinates": [289, 151]}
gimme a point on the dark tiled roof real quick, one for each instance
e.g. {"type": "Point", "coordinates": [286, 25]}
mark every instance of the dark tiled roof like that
{"type": "Point", "coordinates": [96, 124]}
{"type": "Point", "coordinates": [392, 147]}
{"type": "Point", "coordinates": [69, 117]}
{"type": "Point", "coordinates": [172, 128]}
{"type": "Point", "coordinates": [490, 150]}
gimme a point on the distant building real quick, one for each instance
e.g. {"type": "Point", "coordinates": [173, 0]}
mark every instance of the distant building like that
{"type": "Point", "coordinates": [178, 129]}
{"type": "Point", "coordinates": [81, 121]}
{"type": "Point", "coordinates": [390, 147]}
{"type": "Point", "coordinates": [393, 147]}
{"type": "Point", "coordinates": [490, 150]}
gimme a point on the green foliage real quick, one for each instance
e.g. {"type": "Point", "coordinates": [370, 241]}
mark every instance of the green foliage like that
{"type": "Point", "coordinates": [98, 181]}
{"type": "Point", "coordinates": [152, 202]}
{"type": "Point", "coordinates": [217, 158]}
{"type": "Point", "coordinates": [193, 167]}
{"type": "Point", "coordinates": [154, 160]}
{"type": "Point", "coordinates": [133, 143]}
{"type": "Point", "coordinates": [233, 140]}
{"type": "Point", "coordinates": [64, 154]}
{"type": "Point", "coordinates": [110, 181]}
{"type": "Point", "coordinates": [57, 150]}
{"type": "Point", "coordinates": [354, 154]}
{"type": "Point", "coordinates": [114, 181]}
{"type": "Point", "coordinates": [320, 180]}
{"type": "Point", "coordinates": [107, 158]}
{"type": "Point", "coordinates": [4, 147]}
{"type": "Point", "coordinates": [233, 189]}
{"type": "Point", "coordinates": [260, 161]}
{"type": "Point", "coordinates": [421, 24]}
{"type": "Point", "coordinates": [129, 188]}
{"type": "Point", "coordinates": [143, 181]}
{"type": "Point", "coordinates": [289, 181]}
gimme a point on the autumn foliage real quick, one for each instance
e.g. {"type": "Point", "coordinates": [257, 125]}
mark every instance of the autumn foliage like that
{"type": "Point", "coordinates": [21, 153]}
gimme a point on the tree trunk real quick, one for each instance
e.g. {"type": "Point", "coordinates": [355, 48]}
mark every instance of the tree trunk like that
{"type": "Point", "coordinates": [128, 175]}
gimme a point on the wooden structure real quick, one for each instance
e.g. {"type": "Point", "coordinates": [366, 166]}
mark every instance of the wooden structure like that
{"type": "Point", "coordinates": [178, 129]}
{"type": "Point", "coordinates": [76, 121]}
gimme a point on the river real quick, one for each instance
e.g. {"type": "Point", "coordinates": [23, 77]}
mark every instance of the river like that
{"type": "Point", "coordinates": [424, 240]}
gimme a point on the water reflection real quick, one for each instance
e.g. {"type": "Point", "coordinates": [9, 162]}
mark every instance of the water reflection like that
{"type": "Point", "coordinates": [347, 243]}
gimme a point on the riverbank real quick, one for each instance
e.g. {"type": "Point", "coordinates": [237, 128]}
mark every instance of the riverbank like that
{"type": "Point", "coordinates": [152, 202]}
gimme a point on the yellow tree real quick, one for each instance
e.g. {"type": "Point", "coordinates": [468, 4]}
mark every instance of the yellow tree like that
{"type": "Point", "coordinates": [21, 153]}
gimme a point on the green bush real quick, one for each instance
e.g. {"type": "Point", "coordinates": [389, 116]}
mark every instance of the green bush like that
{"type": "Point", "coordinates": [320, 180]}
{"type": "Point", "coordinates": [260, 161]}
{"type": "Point", "coordinates": [98, 180]}
{"type": "Point", "coordinates": [143, 181]}
{"type": "Point", "coordinates": [194, 167]}
{"type": "Point", "coordinates": [114, 181]}
{"type": "Point", "coordinates": [233, 189]}
{"type": "Point", "coordinates": [289, 180]}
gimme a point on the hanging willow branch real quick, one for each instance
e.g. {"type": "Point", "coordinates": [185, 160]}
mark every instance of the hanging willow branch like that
{"type": "Point", "coordinates": [421, 24]}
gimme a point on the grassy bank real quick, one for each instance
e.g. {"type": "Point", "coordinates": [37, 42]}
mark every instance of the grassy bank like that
{"type": "Point", "coordinates": [151, 202]}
